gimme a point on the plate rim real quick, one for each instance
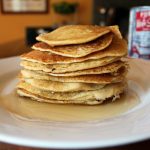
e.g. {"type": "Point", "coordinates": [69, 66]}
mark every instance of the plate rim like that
{"type": "Point", "coordinates": [76, 145]}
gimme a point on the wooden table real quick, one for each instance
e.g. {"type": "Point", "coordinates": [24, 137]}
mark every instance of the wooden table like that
{"type": "Point", "coordinates": [13, 48]}
{"type": "Point", "coordinates": [145, 145]}
{"type": "Point", "coordinates": [136, 146]}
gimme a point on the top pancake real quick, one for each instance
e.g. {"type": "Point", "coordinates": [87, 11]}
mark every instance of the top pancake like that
{"type": "Point", "coordinates": [79, 50]}
{"type": "Point", "coordinates": [73, 34]}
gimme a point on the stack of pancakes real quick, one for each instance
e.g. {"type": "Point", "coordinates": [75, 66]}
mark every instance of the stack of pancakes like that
{"type": "Point", "coordinates": [75, 64]}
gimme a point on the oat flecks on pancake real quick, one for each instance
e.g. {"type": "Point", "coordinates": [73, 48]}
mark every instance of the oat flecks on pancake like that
{"type": "Point", "coordinates": [75, 64]}
{"type": "Point", "coordinates": [79, 50]}
{"type": "Point", "coordinates": [73, 34]}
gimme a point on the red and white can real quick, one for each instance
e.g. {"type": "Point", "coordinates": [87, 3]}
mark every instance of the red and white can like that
{"type": "Point", "coordinates": [139, 32]}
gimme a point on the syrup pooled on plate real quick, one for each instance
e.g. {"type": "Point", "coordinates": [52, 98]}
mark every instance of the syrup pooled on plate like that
{"type": "Point", "coordinates": [31, 110]}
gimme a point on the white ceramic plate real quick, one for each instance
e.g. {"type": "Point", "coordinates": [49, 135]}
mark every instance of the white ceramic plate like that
{"type": "Point", "coordinates": [131, 126]}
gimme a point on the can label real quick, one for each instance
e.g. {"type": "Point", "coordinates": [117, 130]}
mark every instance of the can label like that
{"type": "Point", "coordinates": [139, 32]}
{"type": "Point", "coordinates": [143, 21]}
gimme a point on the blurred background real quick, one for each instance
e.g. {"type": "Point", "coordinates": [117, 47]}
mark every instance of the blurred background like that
{"type": "Point", "coordinates": [22, 20]}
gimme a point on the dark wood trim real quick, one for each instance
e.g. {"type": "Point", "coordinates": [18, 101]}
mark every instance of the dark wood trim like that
{"type": "Point", "coordinates": [26, 13]}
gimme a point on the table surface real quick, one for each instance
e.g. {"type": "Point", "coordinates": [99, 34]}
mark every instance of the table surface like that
{"type": "Point", "coordinates": [145, 145]}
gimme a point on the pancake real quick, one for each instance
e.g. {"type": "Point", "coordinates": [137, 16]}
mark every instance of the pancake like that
{"type": "Point", "coordinates": [113, 68]}
{"type": "Point", "coordinates": [97, 79]}
{"type": "Point", "coordinates": [73, 34]}
{"type": "Point", "coordinates": [62, 68]}
{"type": "Point", "coordinates": [101, 94]}
{"type": "Point", "coordinates": [115, 30]}
{"type": "Point", "coordinates": [117, 48]}
{"type": "Point", "coordinates": [38, 98]}
{"type": "Point", "coordinates": [79, 50]}
{"type": "Point", "coordinates": [62, 86]}
{"type": "Point", "coordinates": [75, 64]}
